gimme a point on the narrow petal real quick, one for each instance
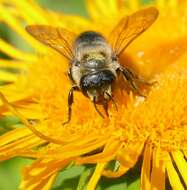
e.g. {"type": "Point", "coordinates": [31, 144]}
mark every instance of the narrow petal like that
{"type": "Point", "coordinates": [16, 26]}
{"type": "Point", "coordinates": [7, 76]}
{"type": "Point", "coordinates": [15, 53]}
{"type": "Point", "coordinates": [30, 111]}
{"type": "Point", "coordinates": [76, 23]}
{"type": "Point", "coordinates": [100, 9]}
{"type": "Point", "coordinates": [13, 64]}
{"type": "Point", "coordinates": [185, 153]}
{"type": "Point", "coordinates": [158, 172]}
{"type": "Point", "coordinates": [146, 168]}
{"type": "Point", "coordinates": [14, 135]}
{"type": "Point", "coordinates": [172, 175]}
{"type": "Point", "coordinates": [115, 174]}
{"type": "Point", "coordinates": [105, 156]}
{"type": "Point", "coordinates": [96, 176]}
{"type": "Point", "coordinates": [17, 143]}
{"type": "Point", "coordinates": [47, 183]}
{"type": "Point", "coordinates": [181, 164]}
{"type": "Point", "coordinates": [134, 4]}
{"type": "Point", "coordinates": [24, 120]}
{"type": "Point", "coordinates": [31, 12]}
{"type": "Point", "coordinates": [74, 150]}
{"type": "Point", "coordinates": [39, 173]}
{"type": "Point", "coordinates": [129, 155]}
{"type": "Point", "coordinates": [15, 149]}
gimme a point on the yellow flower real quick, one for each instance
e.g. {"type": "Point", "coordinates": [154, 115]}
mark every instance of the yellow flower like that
{"type": "Point", "coordinates": [154, 128]}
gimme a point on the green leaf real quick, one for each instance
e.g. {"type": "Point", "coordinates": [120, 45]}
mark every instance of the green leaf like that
{"type": "Point", "coordinates": [10, 173]}
{"type": "Point", "coordinates": [68, 178]}
{"type": "Point", "coordinates": [134, 185]}
{"type": "Point", "coordinates": [70, 7]}
{"type": "Point", "coordinates": [84, 178]}
{"type": "Point", "coordinates": [7, 123]}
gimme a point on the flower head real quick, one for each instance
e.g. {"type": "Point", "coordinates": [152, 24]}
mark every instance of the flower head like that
{"type": "Point", "coordinates": [153, 127]}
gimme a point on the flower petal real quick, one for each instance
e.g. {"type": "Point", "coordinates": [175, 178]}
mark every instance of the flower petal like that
{"type": "Point", "coordinates": [100, 9]}
{"type": "Point", "coordinates": [14, 142]}
{"type": "Point", "coordinates": [129, 155]}
{"type": "Point", "coordinates": [113, 147]}
{"type": "Point", "coordinates": [96, 176]}
{"type": "Point", "coordinates": [16, 26]}
{"type": "Point", "coordinates": [157, 172]}
{"type": "Point", "coordinates": [40, 172]}
{"type": "Point", "coordinates": [32, 12]}
{"type": "Point", "coordinates": [181, 164]}
{"type": "Point", "coordinates": [115, 174]}
{"type": "Point", "coordinates": [15, 53]}
{"type": "Point", "coordinates": [146, 168]}
{"type": "Point", "coordinates": [172, 175]}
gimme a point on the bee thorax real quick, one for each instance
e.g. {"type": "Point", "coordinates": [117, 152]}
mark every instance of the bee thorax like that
{"type": "Point", "coordinates": [90, 44]}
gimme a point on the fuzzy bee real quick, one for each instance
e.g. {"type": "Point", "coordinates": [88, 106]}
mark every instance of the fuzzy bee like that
{"type": "Point", "coordinates": [94, 58]}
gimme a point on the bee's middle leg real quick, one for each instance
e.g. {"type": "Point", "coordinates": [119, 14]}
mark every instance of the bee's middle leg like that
{"type": "Point", "coordinates": [70, 102]}
{"type": "Point", "coordinates": [139, 79]}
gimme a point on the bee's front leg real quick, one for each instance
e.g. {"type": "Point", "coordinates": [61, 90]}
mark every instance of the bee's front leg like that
{"type": "Point", "coordinates": [70, 102]}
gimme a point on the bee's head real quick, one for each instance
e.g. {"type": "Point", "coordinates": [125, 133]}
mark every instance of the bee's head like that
{"type": "Point", "coordinates": [97, 85]}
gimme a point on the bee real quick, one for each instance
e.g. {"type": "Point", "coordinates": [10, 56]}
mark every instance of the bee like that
{"type": "Point", "coordinates": [94, 58]}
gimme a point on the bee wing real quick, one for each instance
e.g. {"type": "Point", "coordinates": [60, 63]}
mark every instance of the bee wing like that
{"type": "Point", "coordinates": [59, 39]}
{"type": "Point", "coordinates": [131, 27]}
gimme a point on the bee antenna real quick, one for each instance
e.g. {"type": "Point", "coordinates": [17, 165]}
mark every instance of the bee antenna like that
{"type": "Point", "coordinates": [113, 101]}
{"type": "Point", "coordinates": [96, 108]}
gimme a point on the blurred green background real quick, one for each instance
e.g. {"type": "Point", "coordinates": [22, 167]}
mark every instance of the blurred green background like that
{"type": "Point", "coordinates": [74, 176]}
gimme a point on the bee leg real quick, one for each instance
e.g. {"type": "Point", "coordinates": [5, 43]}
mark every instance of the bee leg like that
{"type": "Point", "coordinates": [113, 101]}
{"type": "Point", "coordinates": [70, 102]}
{"type": "Point", "coordinates": [131, 79]}
{"type": "Point", "coordinates": [105, 106]}
{"type": "Point", "coordinates": [140, 79]}
{"type": "Point", "coordinates": [96, 108]}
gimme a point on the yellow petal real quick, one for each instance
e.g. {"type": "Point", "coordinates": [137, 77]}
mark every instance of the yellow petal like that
{"type": "Point", "coordinates": [13, 64]}
{"type": "Point", "coordinates": [181, 164]}
{"type": "Point", "coordinates": [157, 172]}
{"type": "Point", "coordinates": [105, 156]}
{"type": "Point", "coordinates": [16, 147]}
{"type": "Point", "coordinates": [15, 53]}
{"type": "Point", "coordinates": [134, 4]}
{"type": "Point", "coordinates": [129, 155]}
{"type": "Point", "coordinates": [37, 175]}
{"type": "Point", "coordinates": [16, 26]}
{"type": "Point", "coordinates": [7, 76]}
{"type": "Point", "coordinates": [49, 182]}
{"type": "Point", "coordinates": [115, 174]}
{"type": "Point", "coordinates": [30, 12]}
{"type": "Point", "coordinates": [73, 150]}
{"type": "Point", "coordinates": [173, 176]}
{"type": "Point", "coordinates": [146, 168]}
{"type": "Point", "coordinates": [96, 176]}
{"type": "Point", "coordinates": [14, 135]}
{"type": "Point", "coordinates": [73, 23]}
{"type": "Point", "coordinates": [100, 9]}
